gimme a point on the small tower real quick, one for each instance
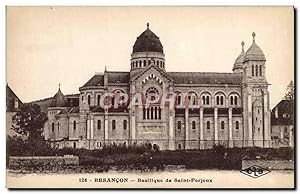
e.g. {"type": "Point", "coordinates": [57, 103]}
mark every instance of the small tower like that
{"type": "Point", "coordinates": [239, 62]}
{"type": "Point", "coordinates": [147, 48]}
{"type": "Point", "coordinates": [255, 98]}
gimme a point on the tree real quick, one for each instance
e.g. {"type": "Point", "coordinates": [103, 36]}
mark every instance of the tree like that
{"type": "Point", "coordinates": [29, 122]}
{"type": "Point", "coordinates": [290, 91]}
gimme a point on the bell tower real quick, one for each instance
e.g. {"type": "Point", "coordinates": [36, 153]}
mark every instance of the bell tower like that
{"type": "Point", "coordinates": [256, 98]}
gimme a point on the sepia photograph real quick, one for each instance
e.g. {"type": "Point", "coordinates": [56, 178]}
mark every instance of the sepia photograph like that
{"type": "Point", "coordinates": [145, 97]}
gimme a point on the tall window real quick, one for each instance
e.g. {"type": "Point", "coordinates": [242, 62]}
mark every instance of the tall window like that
{"type": "Point", "coordinates": [260, 70]}
{"type": "Point", "coordinates": [237, 125]}
{"type": "Point", "coordinates": [89, 99]}
{"type": "Point", "coordinates": [52, 127]}
{"type": "Point", "coordinates": [125, 124]}
{"type": "Point", "coordinates": [252, 70]}
{"type": "Point", "coordinates": [98, 124]}
{"type": "Point", "coordinates": [207, 125]}
{"type": "Point", "coordinates": [207, 100]}
{"type": "Point", "coordinates": [57, 126]}
{"type": "Point", "coordinates": [235, 100]}
{"type": "Point", "coordinates": [231, 100]}
{"type": "Point", "coordinates": [98, 100]}
{"type": "Point", "coordinates": [179, 125]}
{"type": "Point", "coordinates": [194, 125]}
{"type": "Point", "coordinates": [113, 124]}
{"type": "Point", "coordinates": [145, 63]}
{"type": "Point", "coordinates": [221, 100]}
{"type": "Point", "coordinates": [140, 63]}
{"type": "Point", "coordinates": [256, 70]}
{"type": "Point", "coordinates": [178, 100]}
{"type": "Point", "coordinates": [222, 125]}
{"type": "Point", "coordinates": [74, 125]}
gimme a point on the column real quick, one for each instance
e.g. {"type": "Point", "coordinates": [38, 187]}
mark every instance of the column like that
{"type": "Point", "coordinates": [171, 131]}
{"type": "Point", "coordinates": [133, 130]}
{"type": "Point", "coordinates": [216, 125]}
{"type": "Point", "coordinates": [186, 122]}
{"type": "Point", "coordinates": [230, 127]}
{"type": "Point", "coordinates": [250, 141]}
{"type": "Point", "coordinates": [291, 137]}
{"type": "Point", "coordinates": [106, 141]}
{"type": "Point", "coordinates": [267, 119]}
{"type": "Point", "coordinates": [92, 144]}
{"type": "Point", "coordinates": [201, 129]}
{"type": "Point", "coordinates": [88, 128]}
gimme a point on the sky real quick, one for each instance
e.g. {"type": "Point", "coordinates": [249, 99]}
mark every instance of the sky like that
{"type": "Point", "coordinates": [46, 46]}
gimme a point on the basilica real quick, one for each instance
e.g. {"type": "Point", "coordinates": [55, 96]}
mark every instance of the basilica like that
{"type": "Point", "coordinates": [232, 108]}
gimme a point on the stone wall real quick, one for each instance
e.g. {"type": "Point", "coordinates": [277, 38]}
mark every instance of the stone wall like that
{"type": "Point", "coordinates": [269, 164]}
{"type": "Point", "coordinates": [40, 161]}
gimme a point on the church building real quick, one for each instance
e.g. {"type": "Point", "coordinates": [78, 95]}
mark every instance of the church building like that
{"type": "Point", "coordinates": [232, 109]}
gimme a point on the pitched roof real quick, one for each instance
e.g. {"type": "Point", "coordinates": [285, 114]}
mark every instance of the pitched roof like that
{"type": "Point", "coordinates": [96, 80]}
{"type": "Point", "coordinates": [254, 52]}
{"type": "Point", "coordinates": [10, 99]}
{"type": "Point", "coordinates": [205, 78]}
{"type": "Point", "coordinates": [284, 107]}
{"type": "Point", "coordinates": [118, 77]}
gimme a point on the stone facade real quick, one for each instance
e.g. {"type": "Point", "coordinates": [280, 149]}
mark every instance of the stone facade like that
{"type": "Point", "coordinates": [232, 108]}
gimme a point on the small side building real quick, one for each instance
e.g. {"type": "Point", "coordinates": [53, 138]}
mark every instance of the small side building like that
{"type": "Point", "coordinates": [13, 103]}
{"type": "Point", "coordinates": [282, 124]}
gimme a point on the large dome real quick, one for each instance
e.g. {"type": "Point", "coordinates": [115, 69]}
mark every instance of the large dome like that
{"type": "Point", "coordinates": [147, 42]}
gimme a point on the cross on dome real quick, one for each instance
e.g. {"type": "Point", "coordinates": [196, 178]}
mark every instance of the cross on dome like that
{"type": "Point", "coordinates": [243, 44]}
{"type": "Point", "coordinates": [253, 35]}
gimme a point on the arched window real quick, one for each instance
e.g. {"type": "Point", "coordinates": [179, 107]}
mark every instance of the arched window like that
{"type": "Point", "coordinates": [157, 63]}
{"type": "Point", "coordinates": [57, 126]}
{"type": "Point", "coordinates": [113, 124]}
{"type": "Point", "coordinates": [179, 99]}
{"type": "Point", "coordinates": [194, 125]}
{"type": "Point", "coordinates": [260, 70]}
{"type": "Point", "coordinates": [74, 125]}
{"type": "Point", "coordinates": [207, 100]}
{"type": "Point", "coordinates": [218, 101]}
{"type": "Point", "coordinates": [222, 124]}
{"type": "Point", "coordinates": [237, 125]}
{"type": "Point", "coordinates": [136, 64]}
{"type": "Point", "coordinates": [155, 113]}
{"type": "Point", "coordinates": [252, 70]}
{"type": "Point", "coordinates": [231, 100]}
{"type": "Point", "coordinates": [222, 100]}
{"type": "Point", "coordinates": [145, 63]}
{"type": "Point", "coordinates": [235, 100]}
{"type": "Point", "coordinates": [124, 124]}
{"type": "Point", "coordinates": [149, 62]}
{"type": "Point", "coordinates": [207, 125]}
{"type": "Point", "coordinates": [256, 70]}
{"type": "Point", "coordinates": [52, 127]}
{"type": "Point", "coordinates": [179, 146]}
{"type": "Point", "coordinates": [74, 144]}
{"type": "Point", "coordinates": [89, 100]}
{"type": "Point", "coordinates": [151, 113]}
{"type": "Point", "coordinates": [98, 124]}
{"type": "Point", "coordinates": [144, 113]}
{"type": "Point", "coordinates": [140, 63]}
{"type": "Point", "coordinates": [98, 100]}
{"type": "Point", "coordinates": [159, 113]}
{"type": "Point", "coordinates": [161, 64]}
{"type": "Point", "coordinates": [192, 98]}
{"type": "Point", "coordinates": [179, 125]}
{"type": "Point", "coordinates": [203, 100]}
{"type": "Point", "coordinates": [112, 100]}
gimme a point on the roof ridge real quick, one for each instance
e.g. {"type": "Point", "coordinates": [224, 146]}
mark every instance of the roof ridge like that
{"type": "Point", "coordinates": [202, 72]}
